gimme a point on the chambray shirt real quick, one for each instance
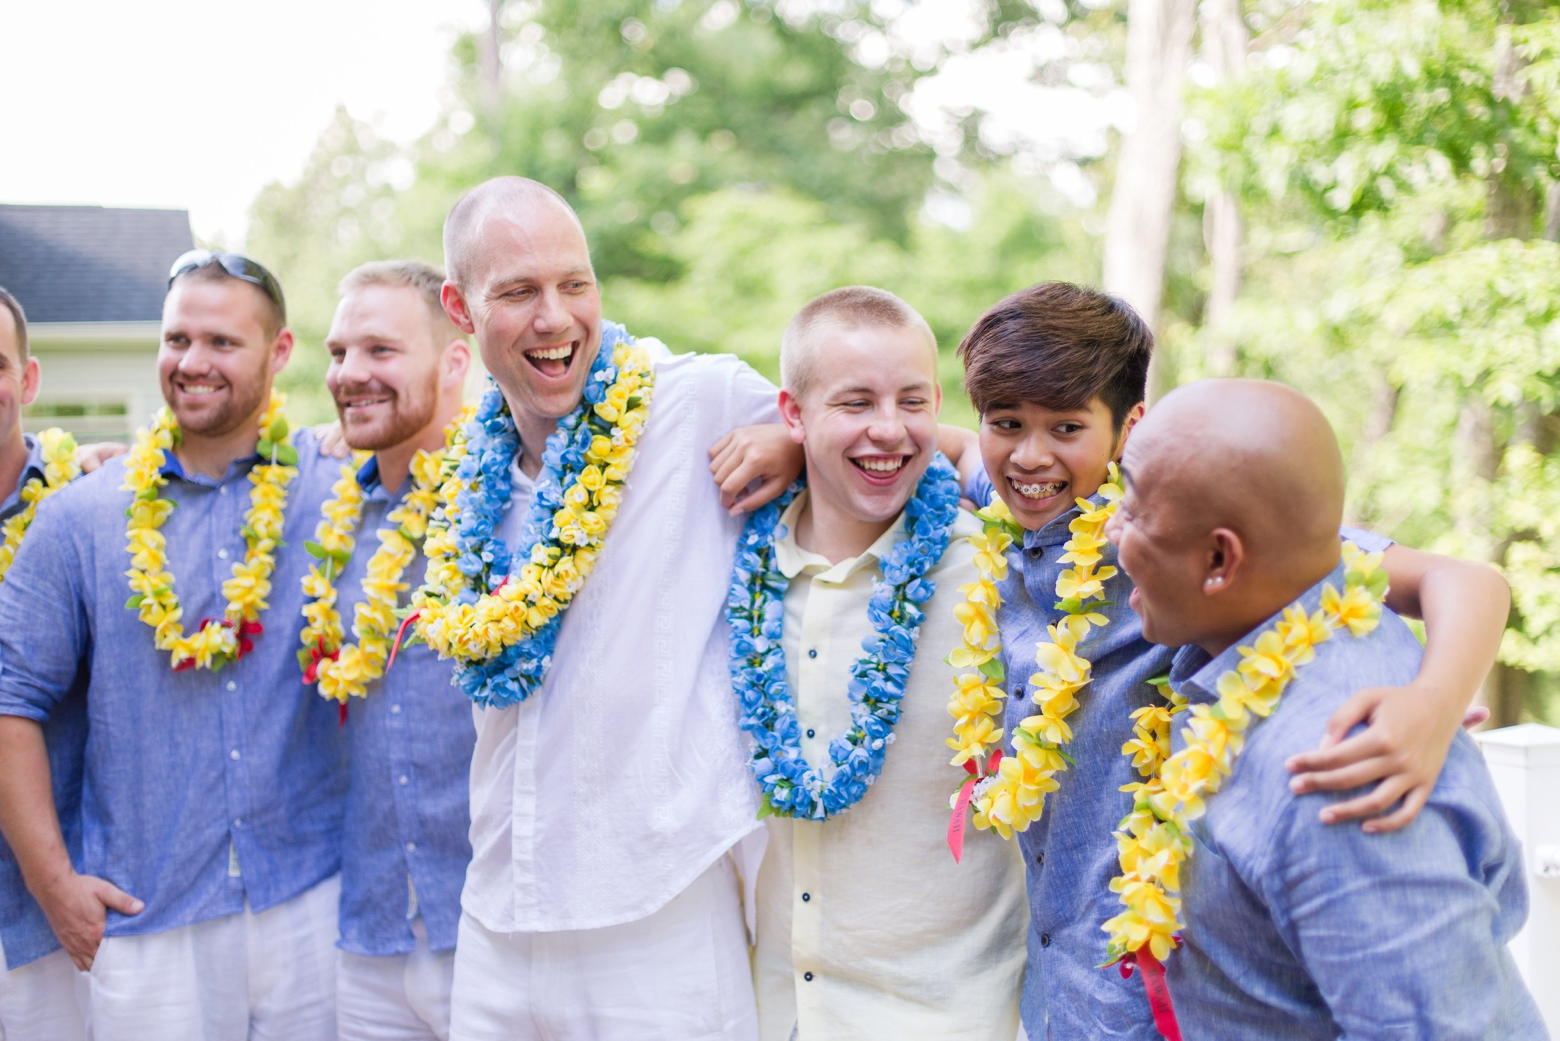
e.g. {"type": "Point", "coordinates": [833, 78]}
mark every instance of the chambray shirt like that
{"type": "Point", "coordinates": [1070, 852]}
{"type": "Point", "coordinates": [25, 935]}
{"type": "Point", "coordinates": [202, 789]}
{"type": "Point", "coordinates": [411, 741]}
{"type": "Point", "coordinates": [1300, 930]}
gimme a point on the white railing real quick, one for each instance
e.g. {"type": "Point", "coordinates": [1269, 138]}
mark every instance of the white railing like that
{"type": "Point", "coordinates": [1525, 762]}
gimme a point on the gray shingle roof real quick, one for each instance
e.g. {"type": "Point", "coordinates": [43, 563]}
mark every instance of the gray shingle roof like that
{"type": "Point", "coordinates": [90, 263]}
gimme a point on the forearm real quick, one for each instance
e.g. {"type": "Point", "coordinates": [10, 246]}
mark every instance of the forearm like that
{"type": "Point", "coordinates": [28, 816]}
{"type": "Point", "coordinates": [1464, 607]}
{"type": "Point", "coordinates": [962, 447]}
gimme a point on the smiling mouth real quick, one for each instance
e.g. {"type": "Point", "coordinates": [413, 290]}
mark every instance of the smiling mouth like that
{"type": "Point", "coordinates": [1037, 491]}
{"type": "Point", "coordinates": [880, 469]}
{"type": "Point", "coordinates": [553, 361]}
{"type": "Point", "coordinates": [199, 390]}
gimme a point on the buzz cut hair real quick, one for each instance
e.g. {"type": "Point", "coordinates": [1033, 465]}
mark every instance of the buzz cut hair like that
{"type": "Point", "coordinates": [851, 307]}
{"type": "Point", "coordinates": [18, 322]}
{"type": "Point", "coordinates": [423, 279]}
{"type": "Point", "coordinates": [471, 209]}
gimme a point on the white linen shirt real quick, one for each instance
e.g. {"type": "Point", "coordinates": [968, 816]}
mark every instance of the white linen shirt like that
{"type": "Point", "coordinates": [614, 786]}
{"type": "Point", "coordinates": [866, 926]}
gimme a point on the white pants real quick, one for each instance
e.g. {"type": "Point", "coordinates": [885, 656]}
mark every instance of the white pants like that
{"type": "Point", "coordinates": [243, 977]}
{"type": "Point", "coordinates": [400, 997]}
{"type": "Point", "coordinates": [39, 1001]}
{"type": "Point", "coordinates": [681, 974]}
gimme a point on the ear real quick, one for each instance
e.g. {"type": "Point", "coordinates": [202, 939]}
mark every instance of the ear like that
{"type": "Point", "coordinates": [281, 350]}
{"type": "Point", "coordinates": [455, 306]}
{"type": "Point", "coordinates": [32, 379]}
{"type": "Point", "coordinates": [457, 362]}
{"type": "Point", "coordinates": [791, 416]}
{"type": "Point", "coordinates": [1226, 562]}
{"type": "Point", "coordinates": [1126, 428]}
{"type": "Point", "coordinates": [937, 399]}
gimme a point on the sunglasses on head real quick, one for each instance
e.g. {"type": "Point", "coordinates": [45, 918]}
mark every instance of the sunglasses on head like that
{"type": "Point", "coordinates": [235, 264]}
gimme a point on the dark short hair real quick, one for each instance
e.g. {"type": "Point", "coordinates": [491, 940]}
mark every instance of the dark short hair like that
{"type": "Point", "coordinates": [273, 312]}
{"type": "Point", "coordinates": [18, 319]}
{"type": "Point", "coordinates": [1060, 346]}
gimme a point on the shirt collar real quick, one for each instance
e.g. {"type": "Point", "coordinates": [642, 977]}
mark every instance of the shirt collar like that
{"type": "Point", "coordinates": [792, 559]}
{"type": "Point", "coordinates": [171, 467]}
{"type": "Point", "coordinates": [34, 467]}
{"type": "Point", "coordinates": [1195, 674]}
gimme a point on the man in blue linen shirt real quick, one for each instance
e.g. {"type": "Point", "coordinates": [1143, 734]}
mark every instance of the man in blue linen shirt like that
{"type": "Point", "coordinates": [37, 980]}
{"type": "Point", "coordinates": [396, 373]}
{"type": "Point", "coordinates": [212, 800]}
{"type": "Point", "coordinates": [1294, 929]}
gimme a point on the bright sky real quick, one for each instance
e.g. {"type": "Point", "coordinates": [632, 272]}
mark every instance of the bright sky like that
{"type": "Point", "coordinates": [196, 104]}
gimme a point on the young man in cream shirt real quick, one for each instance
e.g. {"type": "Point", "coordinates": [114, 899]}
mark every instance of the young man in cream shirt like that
{"type": "Point", "coordinates": [866, 927]}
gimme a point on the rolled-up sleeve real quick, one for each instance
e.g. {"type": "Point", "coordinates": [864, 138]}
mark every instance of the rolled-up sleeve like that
{"type": "Point", "coordinates": [44, 633]}
{"type": "Point", "coordinates": [1399, 931]}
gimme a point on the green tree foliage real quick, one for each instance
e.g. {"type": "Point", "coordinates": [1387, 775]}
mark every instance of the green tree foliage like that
{"type": "Point", "coordinates": [1396, 159]}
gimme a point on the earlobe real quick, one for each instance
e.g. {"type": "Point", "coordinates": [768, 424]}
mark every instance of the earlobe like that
{"type": "Point", "coordinates": [283, 347]}
{"type": "Point", "coordinates": [32, 381]}
{"type": "Point", "coordinates": [791, 416]}
{"type": "Point", "coordinates": [1224, 562]}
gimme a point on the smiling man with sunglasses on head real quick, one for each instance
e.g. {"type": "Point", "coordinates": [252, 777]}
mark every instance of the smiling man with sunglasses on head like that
{"type": "Point", "coordinates": [214, 780]}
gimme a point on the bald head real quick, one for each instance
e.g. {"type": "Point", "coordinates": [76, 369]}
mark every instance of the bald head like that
{"type": "Point", "coordinates": [517, 199]}
{"type": "Point", "coordinates": [1235, 495]}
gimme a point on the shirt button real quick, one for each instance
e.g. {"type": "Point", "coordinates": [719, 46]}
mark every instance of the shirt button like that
{"type": "Point", "coordinates": [811, 732]}
{"type": "Point", "coordinates": [807, 976]}
{"type": "Point", "coordinates": [222, 489]}
{"type": "Point", "coordinates": [1045, 939]}
{"type": "Point", "coordinates": [395, 710]}
{"type": "Point", "coordinates": [402, 778]}
{"type": "Point", "coordinates": [238, 822]}
{"type": "Point", "coordinates": [411, 847]}
{"type": "Point", "coordinates": [806, 897]}
{"type": "Point", "coordinates": [813, 653]}
{"type": "Point", "coordinates": [1040, 858]}
{"type": "Point", "coordinates": [231, 685]}
{"type": "Point", "coordinates": [222, 553]}
{"type": "Point", "coordinates": [233, 754]}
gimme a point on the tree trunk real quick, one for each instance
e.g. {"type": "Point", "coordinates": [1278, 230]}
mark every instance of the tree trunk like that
{"type": "Point", "coordinates": [493, 64]}
{"type": "Point", "coordinates": [1137, 231]}
{"type": "Point", "coordinates": [1224, 42]}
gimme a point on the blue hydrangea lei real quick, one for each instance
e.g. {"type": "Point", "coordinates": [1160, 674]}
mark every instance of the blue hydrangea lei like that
{"type": "Point", "coordinates": [492, 442]}
{"type": "Point", "coordinates": [755, 611]}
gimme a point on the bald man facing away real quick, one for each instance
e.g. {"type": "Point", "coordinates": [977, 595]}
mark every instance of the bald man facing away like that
{"type": "Point", "coordinates": [1294, 929]}
{"type": "Point", "coordinates": [612, 812]}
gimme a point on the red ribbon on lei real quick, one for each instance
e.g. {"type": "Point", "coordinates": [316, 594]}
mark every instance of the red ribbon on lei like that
{"type": "Point", "coordinates": [245, 644]}
{"type": "Point", "coordinates": [966, 792]}
{"type": "Point", "coordinates": [1152, 970]}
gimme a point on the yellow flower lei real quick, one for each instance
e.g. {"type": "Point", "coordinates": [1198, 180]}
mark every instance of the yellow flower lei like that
{"type": "Point", "coordinates": [1153, 842]}
{"type": "Point", "coordinates": [474, 633]}
{"type": "Point", "coordinates": [218, 640]}
{"type": "Point", "coordinates": [1014, 797]}
{"type": "Point", "coordinates": [344, 670]}
{"type": "Point", "coordinates": [60, 468]}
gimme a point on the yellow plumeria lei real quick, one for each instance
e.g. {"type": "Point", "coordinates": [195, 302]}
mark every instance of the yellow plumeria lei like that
{"type": "Point", "coordinates": [1153, 841]}
{"type": "Point", "coordinates": [59, 469]}
{"type": "Point", "coordinates": [341, 669]}
{"type": "Point", "coordinates": [1014, 797]}
{"type": "Point", "coordinates": [218, 640]}
{"type": "Point", "coordinates": [499, 627]}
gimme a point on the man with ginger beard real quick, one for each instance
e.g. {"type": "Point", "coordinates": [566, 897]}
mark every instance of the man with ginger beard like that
{"type": "Point", "coordinates": [397, 366]}
{"type": "Point", "coordinates": [611, 807]}
{"type": "Point", "coordinates": [1292, 928]}
{"type": "Point", "coordinates": [213, 797]}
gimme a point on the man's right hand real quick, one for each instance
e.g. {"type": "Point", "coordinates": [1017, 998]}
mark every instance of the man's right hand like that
{"type": "Point", "coordinates": [77, 907]}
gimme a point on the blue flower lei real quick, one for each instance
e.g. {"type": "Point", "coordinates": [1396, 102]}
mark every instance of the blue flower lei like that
{"type": "Point", "coordinates": [492, 443]}
{"type": "Point", "coordinates": [755, 611]}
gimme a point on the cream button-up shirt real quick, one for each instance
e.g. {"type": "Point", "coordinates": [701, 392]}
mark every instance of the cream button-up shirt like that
{"type": "Point", "coordinates": [602, 796]}
{"type": "Point", "coordinates": [866, 926]}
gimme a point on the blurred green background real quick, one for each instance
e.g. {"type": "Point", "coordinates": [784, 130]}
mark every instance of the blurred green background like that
{"type": "Point", "coordinates": [1393, 167]}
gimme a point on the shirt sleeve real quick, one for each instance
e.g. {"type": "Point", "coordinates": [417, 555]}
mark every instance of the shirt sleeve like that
{"type": "Point", "coordinates": [979, 489]}
{"type": "Point", "coordinates": [1368, 541]}
{"type": "Point", "coordinates": [1398, 931]}
{"type": "Point", "coordinates": [43, 625]}
{"type": "Point", "coordinates": [753, 399]}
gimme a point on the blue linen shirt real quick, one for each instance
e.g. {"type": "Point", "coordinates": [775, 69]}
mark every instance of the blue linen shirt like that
{"type": "Point", "coordinates": [202, 789]}
{"type": "Point", "coordinates": [1300, 930]}
{"type": "Point", "coordinates": [407, 804]}
{"type": "Point", "coordinates": [1070, 852]}
{"type": "Point", "coordinates": [25, 934]}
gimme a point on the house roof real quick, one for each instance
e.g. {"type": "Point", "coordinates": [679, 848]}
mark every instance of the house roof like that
{"type": "Point", "coordinates": [90, 263]}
